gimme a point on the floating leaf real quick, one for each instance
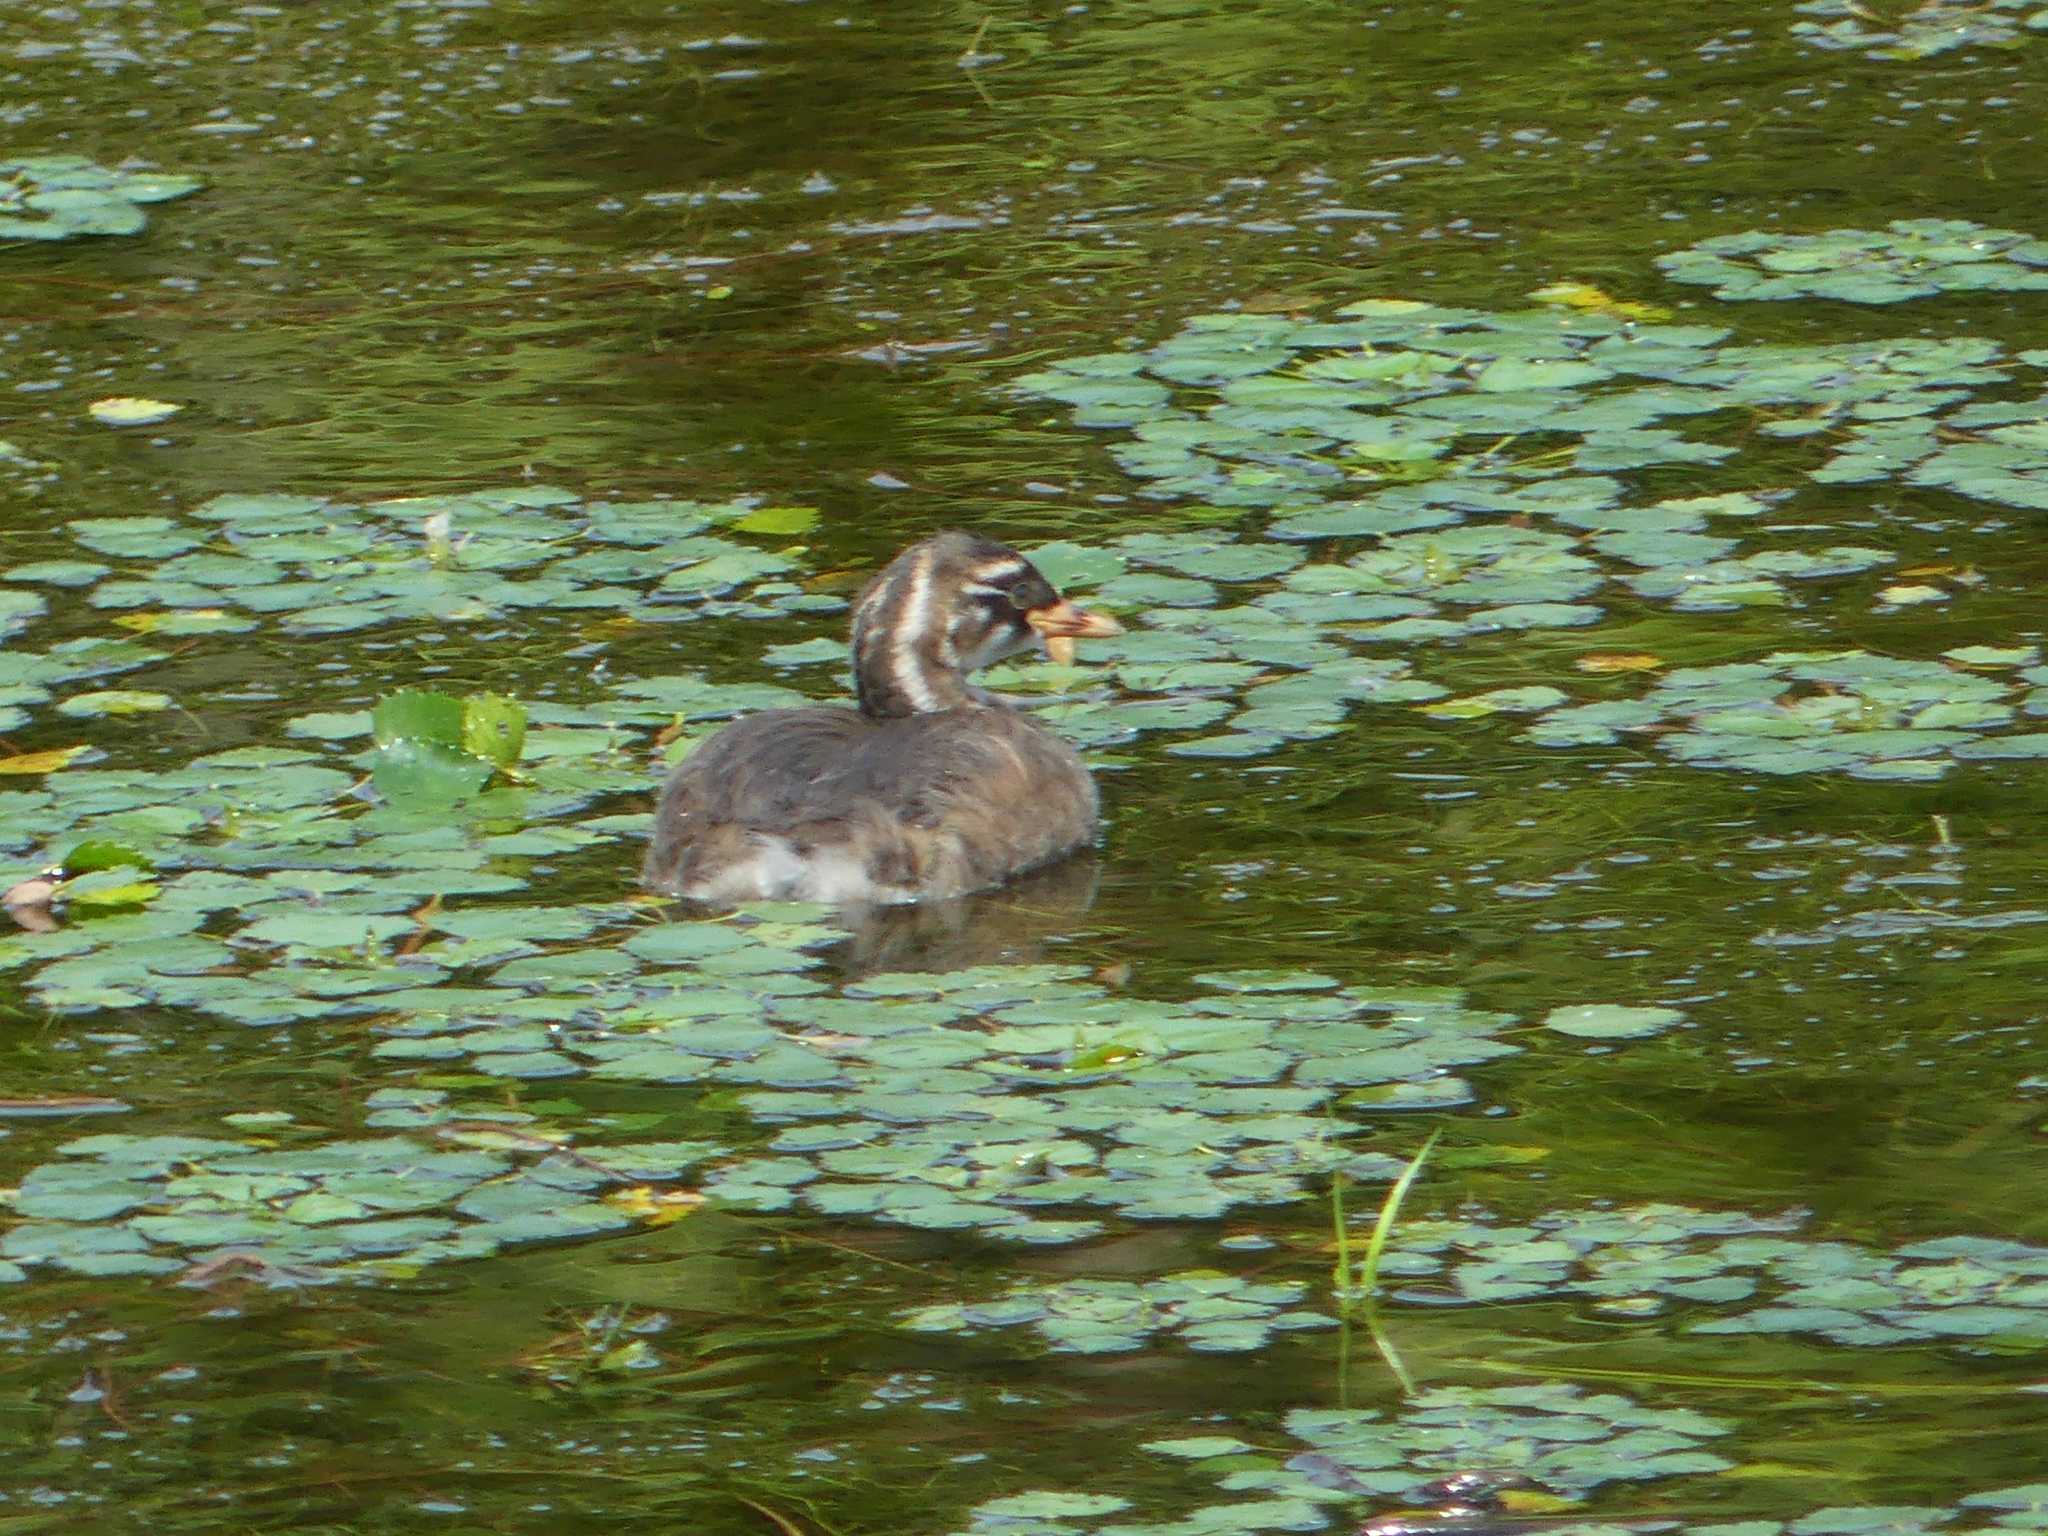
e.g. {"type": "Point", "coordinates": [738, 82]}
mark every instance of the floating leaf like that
{"type": "Point", "coordinates": [1050, 1506]}
{"type": "Point", "coordinates": [116, 885]}
{"type": "Point", "coordinates": [114, 701]}
{"type": "Point", "coordinates": [1995, 655]}
{"type": "Point", "coordinates": [415, 715]}
{"type": "Point", "coordinates": [102, 853]}
{"type": "Point", "coordinates": [1522, 701]}
{"type": "Point", "coordinates": [778, 520]}
{"type": "Point", "coordinates": [128, 411]}
{"type": "Point", "coordinates": [1611, 1021]}
{"type": "Point", "coordinates": [1602, 663]}
{"type": "Point", "coordinates": [1906, 595]}
{"type": "Point", "coordinates": [493, 728]}
{"type": "Point", "coordinates": [24, 763]}
{"type": "Point", "coordinates": [413, 769]}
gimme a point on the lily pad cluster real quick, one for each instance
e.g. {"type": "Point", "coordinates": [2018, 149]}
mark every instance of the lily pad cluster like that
{"type": "Point", "coordinates": [1642, 1260]}
{"type": "Point", "coordinates": [316, 567]}
{"type": "Point", "coordinates": [254, 828]}
{"type": "Point", "coordinates": [1265, 411]}
{"type": "Point", "coordinates": [273, 886]}
{"type": "Point", "coordinates": [1989, 452]}
{"type": "Point", "coordinates": [1562, 1438]}
{"type": "Point", "coordinates": [1961, 1290]}
{"type": "Point", "coordinates": [1908, 259]}
{"type": "Point", "coordinates": [1636, 1259]}
{"type": "Point", "coordinates": [1559, 1437]}
{"type": "Point", "coordinates": [1281, 664]}
{"type": "Point", "coordinates": [1400, 415]}
{"type": "Point", "coordinates": [1928, 30]}
{"type": "Point", "coordinates": [1535, 416]}
{"type": "Point", "coordinates": [2022, 1508]}
{"type": "Point", "coordinates": [1204, 1309]}
{"type": "Point", "coordinates": [258, 824]}
{"type": "Point", "coordinates": [28, 679]}
{"type": "Point", "coordinates": [1869, 716]}
{"type": "Point", "coordinates": [1238, 643]}
{"type": "Point", "coordinates": [61, 197]}
{"type": "Point", "coordinates": [1898, 1519]}
{"type": "Point", "coordinates": [1521, 578]}
{"type": "Point", "coordinates": [1050, 1512]}
{"type": "Point", "coordinates": [986, 1099]}
{"type": "Point", "coordinates": [308, 1211]}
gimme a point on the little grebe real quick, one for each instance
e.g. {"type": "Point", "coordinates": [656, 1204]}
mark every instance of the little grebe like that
{"type": "Point", "coordinates": [932, 789]}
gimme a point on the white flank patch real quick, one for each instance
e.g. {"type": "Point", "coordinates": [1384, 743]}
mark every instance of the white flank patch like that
{"type": "Point", "coordinates": [777, 872]}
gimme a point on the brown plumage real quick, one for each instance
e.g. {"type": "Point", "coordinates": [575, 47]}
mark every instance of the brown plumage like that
{"type": "Point", "coordinates": [931, 789]}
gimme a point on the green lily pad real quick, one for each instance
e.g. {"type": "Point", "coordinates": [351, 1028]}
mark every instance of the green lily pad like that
{"type": "Point", "coordinates": [113, 701]}
{"type": "Point", "coordinates": [1611, 1021]}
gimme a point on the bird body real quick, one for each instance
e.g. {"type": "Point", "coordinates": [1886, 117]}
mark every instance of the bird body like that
{"type": "Point", "coordinates": [931, 789]}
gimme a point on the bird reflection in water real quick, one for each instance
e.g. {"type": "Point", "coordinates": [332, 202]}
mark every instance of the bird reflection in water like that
{"type": "Point", "coordinates": [1021, 923]}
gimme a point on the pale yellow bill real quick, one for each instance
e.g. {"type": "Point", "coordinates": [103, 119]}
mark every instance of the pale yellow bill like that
{"type": "Point", "coordinates": [1061, 624]}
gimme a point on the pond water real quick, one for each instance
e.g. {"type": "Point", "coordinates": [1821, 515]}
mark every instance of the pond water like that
{"type": "Point", "coordinates": [1584, 700]}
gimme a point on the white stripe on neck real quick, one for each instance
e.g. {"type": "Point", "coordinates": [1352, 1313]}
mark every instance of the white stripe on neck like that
{"type": "Point", "coordinates": [912, 620]}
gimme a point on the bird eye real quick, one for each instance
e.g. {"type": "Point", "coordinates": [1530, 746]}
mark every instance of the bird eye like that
{"type": "Point", "coordinates": [1025, 595]}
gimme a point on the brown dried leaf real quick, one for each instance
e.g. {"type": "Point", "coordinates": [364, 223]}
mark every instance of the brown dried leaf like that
{"type": "Point", "coordinates": [40, 762]}
{"type": "Point", "coordinates": [1603, 662]}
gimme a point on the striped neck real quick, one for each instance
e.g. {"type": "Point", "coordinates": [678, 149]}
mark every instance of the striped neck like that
{"type": "Point", "coordinates": [906, 659]}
